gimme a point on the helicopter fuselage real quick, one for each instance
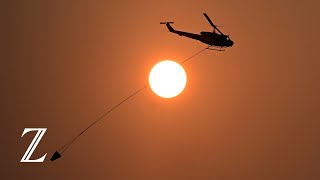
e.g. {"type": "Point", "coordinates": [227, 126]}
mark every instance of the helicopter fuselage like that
{"type": "Point", "coordinates": [215, 39]}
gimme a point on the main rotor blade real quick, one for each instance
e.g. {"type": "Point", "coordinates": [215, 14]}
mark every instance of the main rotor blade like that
{"type": "Point", "coordinates": [211, 23]}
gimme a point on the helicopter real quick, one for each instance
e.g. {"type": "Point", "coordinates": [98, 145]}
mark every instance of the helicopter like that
{"type": "Point", "coordinates": [212, 39]}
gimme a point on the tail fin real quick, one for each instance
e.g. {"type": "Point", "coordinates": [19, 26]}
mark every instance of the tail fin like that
{"type": "Point", "coordinates": [168, 25]}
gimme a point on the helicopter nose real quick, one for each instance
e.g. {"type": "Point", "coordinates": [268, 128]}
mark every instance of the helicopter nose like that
{"type": "Point", "coordinates": [231, 43]}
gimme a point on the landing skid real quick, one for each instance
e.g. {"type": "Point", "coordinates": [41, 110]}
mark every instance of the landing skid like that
{"type": "Point", "coordinates": [211, 48]}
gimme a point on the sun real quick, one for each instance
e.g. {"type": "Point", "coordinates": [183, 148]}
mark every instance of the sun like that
{"type": "Point", "coordinates": [167, 79]}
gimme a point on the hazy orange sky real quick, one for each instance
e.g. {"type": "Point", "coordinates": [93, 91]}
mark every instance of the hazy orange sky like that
{"type": "Point", "coordinates": [251, 112]}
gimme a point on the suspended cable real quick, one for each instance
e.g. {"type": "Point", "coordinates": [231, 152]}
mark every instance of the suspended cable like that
{"type": "Point", "coordinates": [60, 151]}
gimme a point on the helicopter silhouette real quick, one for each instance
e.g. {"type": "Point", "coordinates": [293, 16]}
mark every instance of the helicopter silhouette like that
{"type": "Point", "coordinates": [212, 39]}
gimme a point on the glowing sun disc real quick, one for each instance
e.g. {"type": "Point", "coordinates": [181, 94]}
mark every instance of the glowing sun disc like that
{"type": "Point", "coordinates": [167, 79]}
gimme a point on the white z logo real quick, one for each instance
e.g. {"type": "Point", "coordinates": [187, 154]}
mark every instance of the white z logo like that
{"type": "Point", "coordinates": [33, 145]}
